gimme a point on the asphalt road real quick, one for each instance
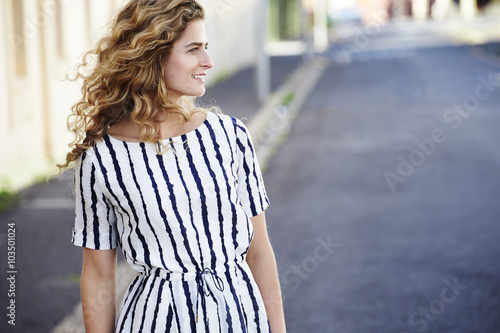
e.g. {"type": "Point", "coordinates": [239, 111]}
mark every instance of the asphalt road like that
{"type": "Point", "coordinates": [385, 196]}
{"type": "Point", "coordinates": [47, 266]}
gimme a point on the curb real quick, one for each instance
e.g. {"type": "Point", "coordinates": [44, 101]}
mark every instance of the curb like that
{"type": "Point", "coordinates": [271, 124]}
{"type": "Point", "coordinates": [269, 128]}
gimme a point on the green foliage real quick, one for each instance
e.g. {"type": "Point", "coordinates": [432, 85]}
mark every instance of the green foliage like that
{"type": "Point", "coordinates": [288, 99]}
{"type": "Point", "coordinates": [8, 199]}
{"type": "Point", "coordinates": [221, 77]}
{"type": "Point", "coordinates": [73, 278]}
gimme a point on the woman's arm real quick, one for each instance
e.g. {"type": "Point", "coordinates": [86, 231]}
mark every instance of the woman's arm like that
{"type": "Point", "coordinates": [262, 263]}
{"type": "Point", "coordinates": [98, 289]}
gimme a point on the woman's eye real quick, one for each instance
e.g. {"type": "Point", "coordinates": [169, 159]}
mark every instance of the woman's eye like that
{"type": "Point", "coordinates": [197, 49]}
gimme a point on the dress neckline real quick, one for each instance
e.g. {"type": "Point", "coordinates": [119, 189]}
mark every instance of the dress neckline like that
{"type": "Point", "coordinates": [204, 123]}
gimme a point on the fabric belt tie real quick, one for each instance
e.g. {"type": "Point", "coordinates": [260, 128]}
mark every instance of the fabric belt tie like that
{"type": "Point", "coordinates": [200, 277]}
{"type": "Point", "coordinates": [204, 288]}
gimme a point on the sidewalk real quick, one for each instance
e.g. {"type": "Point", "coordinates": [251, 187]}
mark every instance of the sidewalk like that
{"type": "Point", "coordinates": [49, 266]}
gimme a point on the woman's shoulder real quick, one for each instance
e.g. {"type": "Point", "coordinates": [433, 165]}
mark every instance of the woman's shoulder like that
{"type": "Point", "coordinates": [228, 120]}
{"type": "Point", "coordinates": [88, 156]}
{"type": "Point", "coordinates": [94, 153]}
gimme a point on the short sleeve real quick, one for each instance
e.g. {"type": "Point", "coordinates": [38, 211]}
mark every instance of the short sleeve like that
{"type": "Point", "coordinates": [250, 188]}
{"type": "Point", "coordinates": [95, 221]}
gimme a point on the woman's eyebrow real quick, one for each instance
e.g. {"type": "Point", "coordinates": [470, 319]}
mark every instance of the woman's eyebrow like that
{"type": "Point", "coordinates": [198, 44]}
{"type": "Point", "coordinates": [194, 44]}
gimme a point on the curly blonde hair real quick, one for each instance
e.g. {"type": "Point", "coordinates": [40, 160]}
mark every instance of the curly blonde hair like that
{"type": "Point", "coordinates": [126, 76]}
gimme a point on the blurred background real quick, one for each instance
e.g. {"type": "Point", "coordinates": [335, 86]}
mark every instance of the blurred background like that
{"type": "Point", "coordinates": [387, 216]}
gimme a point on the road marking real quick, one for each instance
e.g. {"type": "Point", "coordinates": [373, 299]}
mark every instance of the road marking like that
{"type": "Point", "coordinates": [49, 203]}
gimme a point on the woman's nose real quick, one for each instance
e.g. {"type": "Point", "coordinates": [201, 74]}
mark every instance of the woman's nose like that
{"type": "Point", "coordinates": [207, 60]}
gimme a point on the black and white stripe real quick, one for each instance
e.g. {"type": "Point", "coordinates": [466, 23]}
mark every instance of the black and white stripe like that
{"type": "Point", "coordinates": [175, 215]}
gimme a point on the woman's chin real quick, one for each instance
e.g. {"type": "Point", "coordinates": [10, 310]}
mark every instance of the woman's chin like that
{"type": "Point", "coordinates": [200, 93]}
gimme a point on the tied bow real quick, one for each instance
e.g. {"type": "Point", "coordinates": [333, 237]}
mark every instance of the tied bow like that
{"type": "Point", "coordinates": [204, 288]}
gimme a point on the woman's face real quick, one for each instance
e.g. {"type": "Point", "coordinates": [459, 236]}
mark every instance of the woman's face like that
{"type": "Point", "coordinates": [188, 62]}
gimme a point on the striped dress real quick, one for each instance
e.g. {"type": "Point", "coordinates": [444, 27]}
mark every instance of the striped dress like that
{"type": "Point", "coordinates": [182, 220]}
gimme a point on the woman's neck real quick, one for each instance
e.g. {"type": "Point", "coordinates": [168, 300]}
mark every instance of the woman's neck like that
{"type": "Point", "coordinates": [170, 126]}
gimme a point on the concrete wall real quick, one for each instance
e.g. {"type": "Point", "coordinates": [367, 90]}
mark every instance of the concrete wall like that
{"type": "Point", "coordinates": [35, 99]}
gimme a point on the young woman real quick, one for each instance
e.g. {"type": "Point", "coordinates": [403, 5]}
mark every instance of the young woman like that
{"type": "Point", "coordinates": [177, 187]}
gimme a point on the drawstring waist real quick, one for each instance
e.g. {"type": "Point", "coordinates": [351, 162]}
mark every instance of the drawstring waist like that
{"type": "Point", "coordinates": [200, 277]}
{"type": "Point", "coordinates": [187, 276]}
{"type": "Point", "coordinates": [204, 287]}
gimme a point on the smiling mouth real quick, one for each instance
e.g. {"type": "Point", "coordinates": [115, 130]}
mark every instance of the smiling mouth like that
{"type": "Point", "coordinates": [199, 77]}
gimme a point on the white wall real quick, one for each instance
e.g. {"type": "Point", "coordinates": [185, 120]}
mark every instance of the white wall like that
{"type": "Point", "coordinates": [4, 92]}
{"type": "Point", "coordinates": [33, 109]}
{"type": "Point", "coordinates": [24, 112]}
